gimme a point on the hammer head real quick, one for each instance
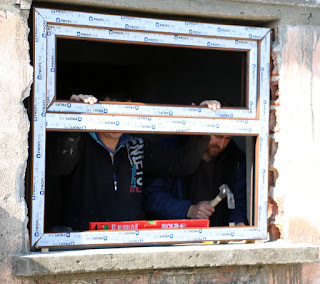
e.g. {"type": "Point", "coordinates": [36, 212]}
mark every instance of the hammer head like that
{"type": "Point", "coordinates": [225, 191]}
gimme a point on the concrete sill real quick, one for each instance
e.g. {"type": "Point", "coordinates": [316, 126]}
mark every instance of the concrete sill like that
{"type": "Point", "coordinates": [163, 257]}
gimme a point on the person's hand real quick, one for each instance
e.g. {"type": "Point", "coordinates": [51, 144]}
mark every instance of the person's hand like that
{"type": "Point", "coordinates": [88, 99]}
{"type": "Point", "coordinates": [201, 210]}
{"type": "Point", "coordinates": [212, 104]}
{"type": "Point", "coordinates": [241, 224]}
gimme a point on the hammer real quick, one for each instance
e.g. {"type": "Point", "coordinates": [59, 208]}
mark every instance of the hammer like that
{"type": "Point", "coordinates": [224, 191]}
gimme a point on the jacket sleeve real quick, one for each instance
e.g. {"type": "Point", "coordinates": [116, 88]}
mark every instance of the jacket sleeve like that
{"type": "Point", "coordinates": [63, 152]}
{"type": "Point", "coordinates": [159, 162]}
{"type": "Point", "coordinates": [239, 214]}
{"type": "Point", "coordinates": [162, 199]}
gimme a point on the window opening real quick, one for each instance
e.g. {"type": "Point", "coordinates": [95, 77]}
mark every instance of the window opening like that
{"type": "Point", "coordinates": [57, 32]}
{"type": "Point", "coordinates": [59, 193]}
{"type": "Point", "coordinates": [153, 74]}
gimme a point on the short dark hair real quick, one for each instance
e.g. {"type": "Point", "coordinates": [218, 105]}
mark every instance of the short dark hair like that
{"type": "Point", "coordinates": [226, 104]}
{"type": "Point", "coordinates": [113, 94]}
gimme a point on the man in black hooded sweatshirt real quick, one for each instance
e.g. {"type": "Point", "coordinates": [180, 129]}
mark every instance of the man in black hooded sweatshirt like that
{"type": "Point", "coordinates": [102, 173]}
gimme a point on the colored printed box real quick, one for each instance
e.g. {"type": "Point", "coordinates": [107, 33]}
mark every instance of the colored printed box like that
{"type": "Point", "coordinates": [154, 224]}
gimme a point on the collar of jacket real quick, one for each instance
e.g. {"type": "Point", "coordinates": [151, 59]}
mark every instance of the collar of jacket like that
{"type": "Point", "coordinates": [122, 141]}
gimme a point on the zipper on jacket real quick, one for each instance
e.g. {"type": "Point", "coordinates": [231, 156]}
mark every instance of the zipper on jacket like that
{"type": "Point", "coordinates": [115, 182]}
{"type": "Point", "coordinates": [98, 140]}
{"type": "Point", "coordinates": [114, 173]}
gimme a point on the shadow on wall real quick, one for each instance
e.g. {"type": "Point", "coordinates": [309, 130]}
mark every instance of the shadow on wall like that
{"type": "Point", "coordinates": [13, 241]}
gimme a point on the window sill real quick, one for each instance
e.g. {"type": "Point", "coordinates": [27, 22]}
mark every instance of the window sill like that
{"type": "Point", "coordinates": [163, 257]}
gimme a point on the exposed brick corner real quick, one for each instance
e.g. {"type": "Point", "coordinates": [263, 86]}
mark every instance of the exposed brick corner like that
{"type": "Point", "coordinates": [275, 206]}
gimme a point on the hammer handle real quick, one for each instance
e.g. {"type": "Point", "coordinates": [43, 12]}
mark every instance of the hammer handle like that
{"type": "Point", "coordinates": [215, 202]}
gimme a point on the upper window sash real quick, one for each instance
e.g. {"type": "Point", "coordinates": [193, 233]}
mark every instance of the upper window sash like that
{"type": "Point", "coordinates": [128, 29]}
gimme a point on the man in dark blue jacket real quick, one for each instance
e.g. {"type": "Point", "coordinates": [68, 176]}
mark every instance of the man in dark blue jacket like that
{"type": "Point", "coordinates": [187, 197]}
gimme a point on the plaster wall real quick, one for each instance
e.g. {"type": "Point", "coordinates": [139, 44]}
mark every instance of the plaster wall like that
{"type": "Point", "coordinates": [15, 82]}
{"type": "Point", "coordinates": [299, 136]}
{"type": "Point", "coordinates": [296, 190]}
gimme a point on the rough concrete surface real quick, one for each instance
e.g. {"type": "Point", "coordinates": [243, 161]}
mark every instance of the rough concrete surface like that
{"type": "Point", "coordinates": [296, 3]}
{"type": "Point", "coordinates": [298, 150]}
{"type": "Point", "coordinates": [257, 12]}
{"type": "Point", "coordinates": [296, 159]}
{"type": "Point", "coordinates": [175, 257]}
{"type": "Point", "coordinates": [15, 81]}
{"type": "Point", "coordinates": [300, 133]}
{"type": "Point", "coordinates": [237, 274]}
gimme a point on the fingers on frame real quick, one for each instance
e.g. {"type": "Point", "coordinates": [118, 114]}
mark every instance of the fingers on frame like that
{"type": "Point", "coordinates": [85, 98]}
{"type": "Point", "coordinates": [74, 98]}
{"type": "Point", "coordinates": [213, 104]}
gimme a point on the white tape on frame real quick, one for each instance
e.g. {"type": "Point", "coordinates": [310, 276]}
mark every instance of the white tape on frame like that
{"type": "Point", "coordinates": [130, 36]}
{"type": "Point", "coordinates": [228, 37]}
{"type": "Point", "coordinates": [39, 129]}
{"type": "Point", "coordinates": [155, 25]}
{"type": "Point", "coordinates": [148, 110]}
{"type": "Point", "coordinates": [103, 238]}
{"type": "Point", "coordinates": [92, 122]}
{"type": "Point", "coordinates": [51, 66]}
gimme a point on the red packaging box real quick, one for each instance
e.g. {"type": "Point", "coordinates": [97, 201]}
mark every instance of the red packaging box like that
{"type": "Point", "coordinates": [154, 224]}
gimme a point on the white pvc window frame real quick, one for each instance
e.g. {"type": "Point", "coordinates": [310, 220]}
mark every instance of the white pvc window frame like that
{"type": "Point", "coordinates": [50, 114]}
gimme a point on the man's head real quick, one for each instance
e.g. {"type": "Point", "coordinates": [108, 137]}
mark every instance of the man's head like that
{"type": "Point", "coordinates": [113, 94]}
{"type": "Point", "coordinates": [217, 144]}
